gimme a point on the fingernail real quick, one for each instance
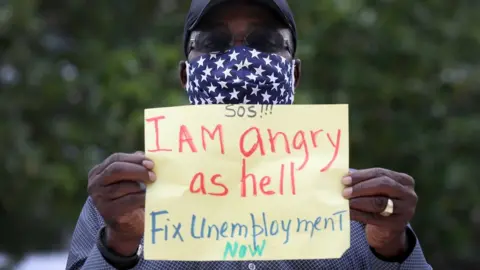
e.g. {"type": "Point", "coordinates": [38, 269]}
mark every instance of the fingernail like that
{"type": "Point", "coordinates": [148, 164]}
{"type": "Point", "coordinates": [347, 180]}
{"type": "Point", "coordinates": [347, 192]}
{"type": "Point", "coordinates": [152, 176]}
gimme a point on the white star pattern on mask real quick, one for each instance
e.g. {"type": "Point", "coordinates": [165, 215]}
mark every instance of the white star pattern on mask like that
{"type": "Point", "coordinates": [240, 75]}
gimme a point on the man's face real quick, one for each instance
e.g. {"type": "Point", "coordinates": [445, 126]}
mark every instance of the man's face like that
{"type": "Point", "coordinates": [236, 23]}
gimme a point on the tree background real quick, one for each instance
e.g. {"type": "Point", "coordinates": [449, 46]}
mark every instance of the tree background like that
{"type": "Point", "coordinates": [76, 75]}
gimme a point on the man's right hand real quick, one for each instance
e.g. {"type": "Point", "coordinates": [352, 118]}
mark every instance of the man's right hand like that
{"type": "Point", "coordinates": [117, 190]}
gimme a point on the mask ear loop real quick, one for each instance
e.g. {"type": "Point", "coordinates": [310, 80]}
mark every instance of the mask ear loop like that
{"type": "Point", "coordinates": [293, 81]}
{"type": "Point", "coordinates": [187, 69]}
{"type": "Point", "coordinates": [187, 85]}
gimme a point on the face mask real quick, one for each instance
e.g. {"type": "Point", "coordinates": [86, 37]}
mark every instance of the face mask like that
{"type": "Point", "coordinates": [240, 76]}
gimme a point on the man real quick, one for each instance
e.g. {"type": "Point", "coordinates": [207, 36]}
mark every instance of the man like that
{"type": "Point", "coordinates": [241, 52]}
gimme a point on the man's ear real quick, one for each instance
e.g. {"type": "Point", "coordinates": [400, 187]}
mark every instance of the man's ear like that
{"type": "Point", "coordinates": [297, 72]}
{"type": "Point", "coordinates": [182, 67]}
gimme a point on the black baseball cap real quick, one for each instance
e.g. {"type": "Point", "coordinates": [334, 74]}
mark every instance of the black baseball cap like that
{"type": "Point", "coordinates": [199, 8]}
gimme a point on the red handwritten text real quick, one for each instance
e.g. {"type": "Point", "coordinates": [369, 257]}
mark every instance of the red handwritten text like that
{"type": "Point", "coordinates": [252, 142]}
{"type": "Point", "coordinates": [218, 129]}
{"type": "Point", "coordinates": [197, 185]}
{"type": "Point", "coordinates": [155, 121]}
{"type": "Point", "coordinates": [186, 141]}
{"type": "Point", "coordinates": [185, 137]}
{"type": "Point", "coordinates": [301, 141]}
{"type": "Point", "coordinates": [336, 146]}
{"type": "Point", "coordinates": [264, 185]}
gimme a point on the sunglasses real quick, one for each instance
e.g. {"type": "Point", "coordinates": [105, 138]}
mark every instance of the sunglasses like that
{"type": "Point", "coordinates": [262, 39]}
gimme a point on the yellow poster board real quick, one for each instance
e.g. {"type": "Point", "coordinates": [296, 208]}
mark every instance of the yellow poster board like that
{"type": "Point", "coordinates": [247, 182]}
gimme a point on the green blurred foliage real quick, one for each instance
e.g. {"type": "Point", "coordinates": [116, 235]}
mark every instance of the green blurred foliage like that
{"type": "Point", "coordinates": [76, 75]}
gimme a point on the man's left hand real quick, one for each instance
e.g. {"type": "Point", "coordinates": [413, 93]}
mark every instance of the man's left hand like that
{"type": "Point", "coordinates": [368, 191]}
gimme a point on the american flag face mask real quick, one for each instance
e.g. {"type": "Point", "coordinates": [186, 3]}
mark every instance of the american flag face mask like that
{"type": "Point", "coordinates": [240, 75]}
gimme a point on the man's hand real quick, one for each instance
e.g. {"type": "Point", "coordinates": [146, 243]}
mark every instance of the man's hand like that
{"type": "Point", "coordinates": [116, 188]}
{"type": "Point", "coordinates": [369, 191]}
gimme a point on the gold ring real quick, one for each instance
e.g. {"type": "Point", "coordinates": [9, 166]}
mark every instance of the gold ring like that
{"type": "Point", "coordinates": [388, 209]}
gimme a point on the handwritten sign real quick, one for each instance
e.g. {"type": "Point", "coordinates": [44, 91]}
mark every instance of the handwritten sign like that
{"type": "Point", "coordinates": [247, 182]}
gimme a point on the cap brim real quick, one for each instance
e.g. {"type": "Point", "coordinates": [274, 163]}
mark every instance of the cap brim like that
{"type": "Point", "coordinates": [270, 3]}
